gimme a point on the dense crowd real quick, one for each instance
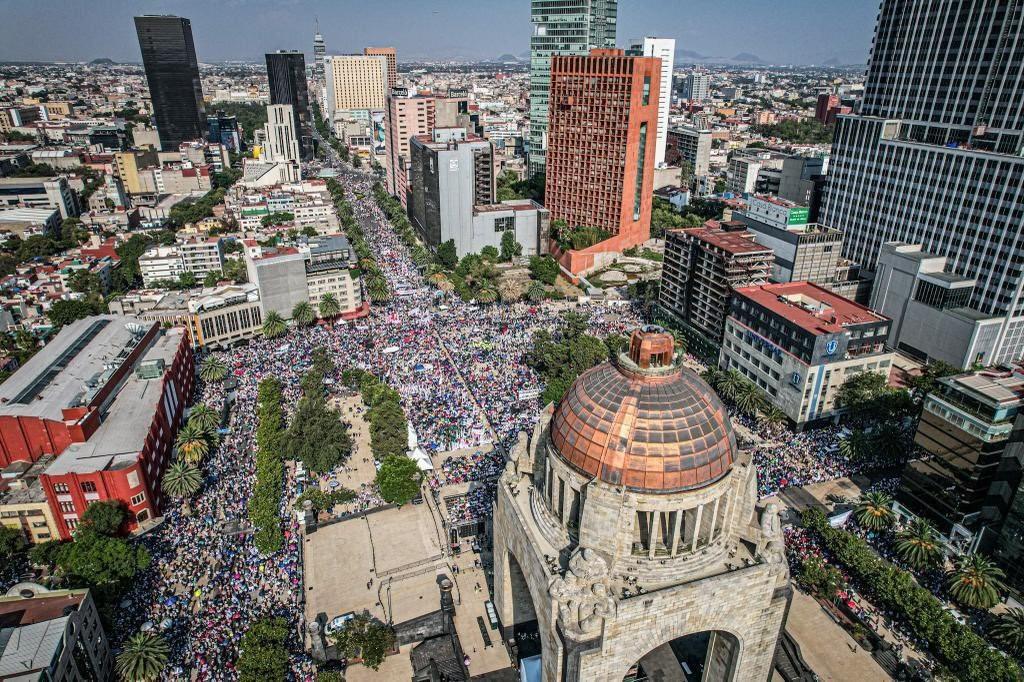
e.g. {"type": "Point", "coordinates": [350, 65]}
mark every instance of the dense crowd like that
{"type": "Point", "coordinates": [208, 583]}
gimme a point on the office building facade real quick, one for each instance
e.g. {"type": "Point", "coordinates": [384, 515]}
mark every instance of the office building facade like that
{"type": "Point", "coordinates": [962, 484]}
{"type": "Point", "coordinates": [695, 86]}
{"type": "Point", "coordinates": [603, 129]}
{"type": "Point", "coordinates": [172, 71]}
{"type": "Point", "coordinates": [391, 55]}
{"type": "Point", "coordinates": [355, 82]}
{"type": "Point", "coordinates": [665, 50]}
{"type": "Point", "coordinates": [933, 157]}
{"type": "Point", "coordinates": [286, 72]}
{"type": "Point", "coordinates": [690, 145]}
{"type": "Point", "coordinates": [702, 266]}
{"type": "Point", "coordinates": [561, 27]}
{"type": "Point", "coordinates": [800, 343]}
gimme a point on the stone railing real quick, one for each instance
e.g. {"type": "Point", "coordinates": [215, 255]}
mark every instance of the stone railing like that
{"type": "Point", "coordinates": [546, 522]}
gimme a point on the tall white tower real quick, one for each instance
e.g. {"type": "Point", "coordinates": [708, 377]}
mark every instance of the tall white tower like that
{"type": "Point", "coordinates": [664, 49]}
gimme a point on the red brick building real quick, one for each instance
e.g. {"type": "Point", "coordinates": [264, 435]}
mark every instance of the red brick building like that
{"type": "Point", "coordinates": [601, 146]}
{"type": "Point", "coordinates": [106, 396]}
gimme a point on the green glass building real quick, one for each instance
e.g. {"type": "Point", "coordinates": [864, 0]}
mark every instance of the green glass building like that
{"type": "Point", "coordinates": [564, 27]}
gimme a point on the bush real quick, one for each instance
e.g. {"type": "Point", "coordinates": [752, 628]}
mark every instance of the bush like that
{"type": "Point", "coordinates": [893, 589]}
{"type": "Point", "coordinates": [398, 479]}
{"type": "Point", "coordinates": [544, 269]}
{"type": "Point", "coordinates": [265, 503]}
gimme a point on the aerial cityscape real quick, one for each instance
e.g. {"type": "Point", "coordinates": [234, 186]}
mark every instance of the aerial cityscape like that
{"type": "Point", "coordinates": [447, 343]}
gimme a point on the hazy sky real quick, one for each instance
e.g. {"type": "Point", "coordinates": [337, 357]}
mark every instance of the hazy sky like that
{"type": "Point", "coordinates": [778, 31]}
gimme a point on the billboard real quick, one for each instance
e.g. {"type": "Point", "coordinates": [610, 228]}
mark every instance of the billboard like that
{"type": "Point", "coordinates": [798, 215]}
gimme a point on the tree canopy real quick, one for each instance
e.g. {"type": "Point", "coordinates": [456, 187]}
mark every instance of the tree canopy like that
{"type": "Point", "coordinates": [264, 651]}
{"type": "Point", "coordinates": [398, 479]}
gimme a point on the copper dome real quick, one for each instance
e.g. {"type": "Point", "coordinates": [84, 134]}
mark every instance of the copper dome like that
{"type": "Point", "coordinates": [648, 428]}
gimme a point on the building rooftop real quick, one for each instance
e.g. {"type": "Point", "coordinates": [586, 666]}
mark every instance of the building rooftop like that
{"type": "Point", "coordinates": [71, 368]}
{"type": "Point", "coordinates": [1002, 385]}
{"type": "Point", "coordinates": [32, 631]}
{"type": "Point", "coordinates": [735, 243]}
{"type": "Point", "coordinates": [219, 297]}
{"type": "Point", "coordinates": [26, 215]}
{"type": "Point", "coordinates": [122, 435]}
{"type": "Point", "coordinates": [813, 308]}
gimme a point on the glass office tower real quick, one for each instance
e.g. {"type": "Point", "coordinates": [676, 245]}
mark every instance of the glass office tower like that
{"type": "Point", "coordinates": [561, 27]}
{"type": "Point", "coordinates": [172, 71]}
{"type": "Point", "coordinates": [287, 74]}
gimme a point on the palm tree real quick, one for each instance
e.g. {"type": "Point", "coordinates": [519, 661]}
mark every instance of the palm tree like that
{"type": "Point", "coordinates": [975, 582]}
{"type": "Point", "coordinates": [748, 398]}
{"type": "Point", "coordinates": [731, 384]}
{"type": "Point", "coordinates": [855, 446]}
{"type": "Point", "coordinates": [918, 544]}
{"type": "Point", "coordinates": [1008, 630]}
{"type": "Point", "coordinates": [329, 306]}
{"type": "Point", "coordinates": [193, 443]}
{"type": "Point", "coordinates": [274, 325]}
{"type": "Point", "coordinates": [874, 511]}
{"type": "Point", "coordinates": [421, 257]}
{"type": "Point", "coordinates": [182, 480]}
{"type": "Point", "coordinates": [536, 293]}
{"type": "Point", "coordinates": [213, 369]}
{"type": "Point", "coordinates": [712, 376]}
{"type": "Point", "coordinates": [303, 314]}
{"type": "Point", "coordinates": [437, 278]}
{"type": "Point", "coordinates": [377, 289]}
{"type": "Point", "coordinates": [487, 295]}
{"type": "Point", "coordinates": [143, 658]}
{"type": "Point", "coordinates": [510, 291]}
{"type": "Point", "coordinates": [772, 416]}
{"type": "Point", "coordinates": [206, 418]}
{"type": "Point", "coordinates": [887, 442]}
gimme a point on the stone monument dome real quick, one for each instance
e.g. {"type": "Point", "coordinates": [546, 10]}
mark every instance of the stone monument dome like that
{"type": "Point", "coordinates": [645, 422]}
{"type": "Point", "coordinates": [628, 540]}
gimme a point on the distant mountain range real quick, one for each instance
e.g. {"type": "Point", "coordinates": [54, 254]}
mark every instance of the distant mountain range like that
{"type": "Point", "coordinates": [690, 57]}
{"type": "Point", "coordinates": [102, 60]}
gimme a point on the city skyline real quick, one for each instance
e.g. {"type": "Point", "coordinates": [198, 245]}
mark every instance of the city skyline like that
{"type": "Point", "coordinates": [702, 29]}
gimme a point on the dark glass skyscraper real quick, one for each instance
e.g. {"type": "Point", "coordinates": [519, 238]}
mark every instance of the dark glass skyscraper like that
{"type": "Point", "coordinates": [934, 154]}
{"type": "Point", "coordinates": [169, 57]}
{"type": "Point", "coordinates": [287, 74]}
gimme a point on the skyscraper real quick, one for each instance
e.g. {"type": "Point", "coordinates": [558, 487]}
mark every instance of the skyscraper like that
{"type": "Point", "coordinates": [355, 81]}
{"type": "Point", "coordinates": [561, 27]}
{"type": "Point", "coordinates": [934, 155]}
{"type": "Point", "coordinates": [319, 52]}
{"type": "Point", "coordinates": [695, 86]}
{"type": "Point", "coordinates": [665, 50]}
{"type": "Point", "coordinates": [392, 57]}
{"type": "Point", "coordinates": [172, 71]}
{"type": "Point", "coordinates": [600, 161]}
{"type": "Point", "coordinates": [287, 74]}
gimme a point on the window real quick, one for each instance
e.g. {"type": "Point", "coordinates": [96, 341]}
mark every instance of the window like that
{"type": "Point", "coordinates": [139, 499]}
{"type": "Point", "coordinates": [71, 523]}
{"type": "Point", "coordinates": [67, 506]}
{"type": "Point", "coordinates": [88, 487]}
{"type": "Point", "coordinates": [60, 487]}
{"type": "Point", "coordinates": [647, 90]}
{"type": "Point", "coordinates": [505, 224]}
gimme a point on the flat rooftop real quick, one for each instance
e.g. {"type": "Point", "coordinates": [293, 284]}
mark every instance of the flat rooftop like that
{"type": "Point", "coordinates": [60, 374]}
{"type": "Point", "coordinates": [735, 243]}
{"type": "Point", "coordinates": [810, 307]}
{"type": "Point", "coordinates": [1000, 385]}
{"type": "Point", "coordinates": [126, 422]}
{"type": "Point", "coordinates": [32, 631]}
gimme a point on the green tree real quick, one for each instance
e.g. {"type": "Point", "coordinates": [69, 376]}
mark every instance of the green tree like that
{"type": "Point", "coordinates": [510, 248]}
{"type": "Point", "coordinates": [398, 479]}
{"type": "Point", "coordinates": [101, 560]}
{"type": "Point", "coordinates": [84, 282]}
{"type": "Point", "coordinates": [447, 255]}
{"type": "Point", "coordinates": [63, 312]}
{"type": "Point", "coordinates": [1008, 630]}
{"type": "Point", "coordinates": [303, 314]}
{"type": "Point", "coordinates": [321, 362]}
{"type": "Point", "coordinates": [12, 541]}
{"type": "Point", "coordinates": [821, 579]}
{"type": "Point", "coordinates": [182, 480]}
{"type": "Point", "coordinates": [874, 511]}
{"type": "Point", "coordinates": [544, 269]}
{"type": "Point", "coordinates": [918, 544]}
{"type": "Point", "coordinates": [213, 369]}
{"type": "Point", "coordinates": [264, 651]}
{"type": "Point", "coordinates": [187, 280]}
{"type": "Point", "coordinates": [317, 436]}
{"type": "Point", "coordinates": [274, 325]}
{"type": "Point", "coordinates": [798, 131]}
{"type": "Point", "coordinates": [329, 306]}
{"type": "Point", "coordinates": [45, 554]}
{"type": "Point", "coordinates": [277, 218]}
{"type": "Point", "coordinates": [144, 657]}
{"type": "Point", "coordinates": [211, 278]}
{"type": "Point", "coordinates": [205, 417]}
{"type": "Point", "coordinates": [535, 292]}
{"type": "Point", "coordinates": [855, 446]}
{"type": "Point", "coordinates": [975, 582]}
{"type": "Point", "coordinates": [377, 289]}
{"type": "Point", "coordinates": [490, 253]}
{"type": "Point", "coordinates": [388, 429]}
{"type": "Point", "coordinates": [106, 517]}
{"type": "Point", "coordinates": [193, 443]}
{"type": "Point", "coordinates": [367, 638]}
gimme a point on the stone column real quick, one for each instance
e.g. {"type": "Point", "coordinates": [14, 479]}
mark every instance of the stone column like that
{"type": "Point", "coordinates": [714, 520]}
{"type": "Point", "coordinates": [696, 529]}
{"type": "Point", "coordinates": [676, 516]}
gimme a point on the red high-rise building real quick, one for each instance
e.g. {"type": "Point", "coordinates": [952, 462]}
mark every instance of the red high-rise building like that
{"type": "Point", "coordinates": [601, 144]}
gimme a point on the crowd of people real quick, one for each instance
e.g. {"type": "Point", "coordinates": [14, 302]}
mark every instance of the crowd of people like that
{"type": "Point", "coordinates": [461, 374]}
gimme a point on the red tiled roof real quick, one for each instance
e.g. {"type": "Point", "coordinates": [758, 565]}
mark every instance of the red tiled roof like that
{"type": "Point", "coordinates": [835, 314]}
